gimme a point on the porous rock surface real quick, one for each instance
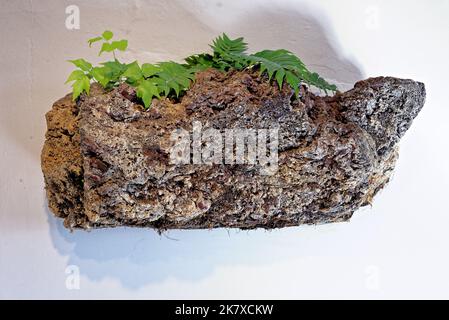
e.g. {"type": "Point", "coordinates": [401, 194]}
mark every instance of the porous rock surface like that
{"type": "Point", "coordinates": [106, 160]}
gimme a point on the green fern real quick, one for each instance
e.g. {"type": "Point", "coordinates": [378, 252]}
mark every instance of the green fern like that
{"type": "Point", "coordinates": [133, 73]}
{"type": "Point", "coordinates": [81, 82]}
{"type": "Point", "coordinates": [223, 45]}
{"type": "Point", "coordinates": [168, 78]}
{"type": "Point", "coordinates": [282, 64]}
{"type": "Point", "coordinates": [314, 79]}
{"type": "Point", "coordinates": [199, 62]}
{"type": "Point", "coordinates": [173, 76]}
{"type": "Point", "coordinates": [276, 63]}
{"type": "Point", "coordinates": [156, 80]}
{"type": "Point", "coordinates": [229, 53]}
{"type": "Point", "coordinates": [147, 90]}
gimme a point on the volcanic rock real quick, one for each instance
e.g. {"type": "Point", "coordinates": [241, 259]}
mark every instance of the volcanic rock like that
{"type": "Point", "coordinates": [107, 161]}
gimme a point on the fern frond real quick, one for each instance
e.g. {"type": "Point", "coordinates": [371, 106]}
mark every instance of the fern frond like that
{"type": "Point", "coordinates": [199, 62]}
{"type": "Point", "coordinates": [223, 45]}
{"type": "Point", "coordinates": [313, 79]}
{"type": "Point", "coordinates": [282, 64]}
{"type": "Point", "coordinates": [162, 79]}
{"type": "Point", "coordinates": [277, 62]}
{"type": "Point", "coordinates": [229, 53]}
{"type": "Point", "coordinates": [147, 90]}
{"type": "Point", "coordinates": [173, 76]}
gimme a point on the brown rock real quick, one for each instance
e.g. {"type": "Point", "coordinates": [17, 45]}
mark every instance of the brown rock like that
{"type": "Point", "coordinates": [106, 161]}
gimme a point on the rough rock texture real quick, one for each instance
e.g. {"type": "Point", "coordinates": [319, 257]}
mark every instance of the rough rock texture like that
{"type": "Point", "coordinates": [106, 161]}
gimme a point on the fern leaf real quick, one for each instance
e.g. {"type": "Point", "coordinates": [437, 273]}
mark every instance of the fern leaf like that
{"type": "Point", "coordinates": [282, 64]}
{"type": "Point", "coordinates": [293, 81]}
{"type": "Point", "coordinates": [229, 53]}
{"type": "Point", "coordinates": [113, 70]}
{"type": "Point", "coordinates": [147, 90]}
{"type": "Point", "coordinates": [149, 69]}
{"type": "Point", "coordinates": [80, 85]}
{"type": "Point", "coordinates": [276, 63]}
{"type": "Point", "coordinates": [312, 78]}
{"type": "Point", "coordinates": [101, 75]}
{"type": "Point", "coordinates": [174, 76]}
{"type": "Point", "coordinates": [223, 45]}
{"type": "Point", "coordinates": [199, 62]}
{"type": "Point", "coordinates": [133, 73]}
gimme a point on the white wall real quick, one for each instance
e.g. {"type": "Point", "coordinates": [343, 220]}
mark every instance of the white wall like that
{"type": "Point", "coordinates": [396, 249]}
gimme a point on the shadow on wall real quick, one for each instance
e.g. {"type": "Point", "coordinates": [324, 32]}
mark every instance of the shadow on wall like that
{"type": "Point", "coordinates": [138, 257]}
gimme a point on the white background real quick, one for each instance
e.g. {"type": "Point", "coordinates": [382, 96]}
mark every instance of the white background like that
{"type": "Point", "coordinates": [396, 249]}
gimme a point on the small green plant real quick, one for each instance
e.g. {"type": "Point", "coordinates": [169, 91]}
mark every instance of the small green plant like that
{"type": "Point", "coordinates": [171, 78]}
{"type": "Point", "coordinates": [109, 46]}
{"type": "Point", "coordinates": [280, 64]}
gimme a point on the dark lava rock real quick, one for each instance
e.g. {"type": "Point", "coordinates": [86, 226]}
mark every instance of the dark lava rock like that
{"type": "Point", "coordinates": [106, 161]}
